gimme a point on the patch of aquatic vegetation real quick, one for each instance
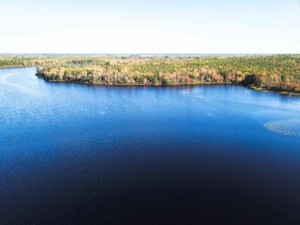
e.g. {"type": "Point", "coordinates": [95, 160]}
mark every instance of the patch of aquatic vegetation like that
{"type": "Point", "coordinates": [289, 127]}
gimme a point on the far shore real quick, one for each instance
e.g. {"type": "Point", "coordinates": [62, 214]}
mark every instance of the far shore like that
{"type": "Point", "coordinates": [252, 87]}
{"type": "Point", "coordinates": [267, 73]}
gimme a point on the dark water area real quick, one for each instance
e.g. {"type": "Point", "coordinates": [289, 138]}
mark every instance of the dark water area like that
{"type": "Point", "coordinates": [77, 154]}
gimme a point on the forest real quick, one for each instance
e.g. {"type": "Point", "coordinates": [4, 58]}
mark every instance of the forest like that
{"type": "Point", "coordinates": [279, 73]}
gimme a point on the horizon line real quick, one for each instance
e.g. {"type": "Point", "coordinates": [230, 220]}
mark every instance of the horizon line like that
{"type": "Point", "coordinates": [143, 54]}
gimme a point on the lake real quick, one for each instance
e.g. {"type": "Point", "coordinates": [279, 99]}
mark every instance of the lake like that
{"type": "Point", "coordinates": [78, 154]}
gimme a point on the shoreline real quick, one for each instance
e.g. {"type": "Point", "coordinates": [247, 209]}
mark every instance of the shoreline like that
{"type": "Point", "coordinates": [251, 87]}
{"type": "Point", "coordinates": [262, 89]}
{"type": "Point", "coordinates": [266, 74]}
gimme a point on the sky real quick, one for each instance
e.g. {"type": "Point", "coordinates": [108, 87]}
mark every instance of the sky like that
{"type": "Point", "coordinates": [144, 26]}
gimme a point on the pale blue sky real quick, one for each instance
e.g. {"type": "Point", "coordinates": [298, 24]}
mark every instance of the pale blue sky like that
{"type": "Point", "coordinates": [157, 26]}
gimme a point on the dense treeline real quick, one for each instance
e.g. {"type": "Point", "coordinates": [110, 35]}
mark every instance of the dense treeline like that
{"type": "Point", "coordinates": [278, 72]}
{"type": "Point", "coordinates": [274, 72]}
{"type": "Point", "coordinates": [17, 61]}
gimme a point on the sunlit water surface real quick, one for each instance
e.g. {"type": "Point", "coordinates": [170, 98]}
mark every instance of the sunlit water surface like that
{"type": "Point", "coordinates": [77, 154]}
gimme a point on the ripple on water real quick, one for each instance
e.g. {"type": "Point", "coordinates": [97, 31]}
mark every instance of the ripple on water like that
{"type": "Point", "coordinates": [290, 127]}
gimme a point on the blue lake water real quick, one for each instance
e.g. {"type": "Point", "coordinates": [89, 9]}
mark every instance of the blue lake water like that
{"type": "Point", "coordinates": [78, 154]}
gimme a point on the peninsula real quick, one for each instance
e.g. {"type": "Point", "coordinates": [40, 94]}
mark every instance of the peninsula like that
{"type": "Point", "coordinates": [279, 73]}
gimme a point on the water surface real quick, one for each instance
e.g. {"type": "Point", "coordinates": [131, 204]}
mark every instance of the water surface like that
{"type": "Point", "coordinates": [78, 154]}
